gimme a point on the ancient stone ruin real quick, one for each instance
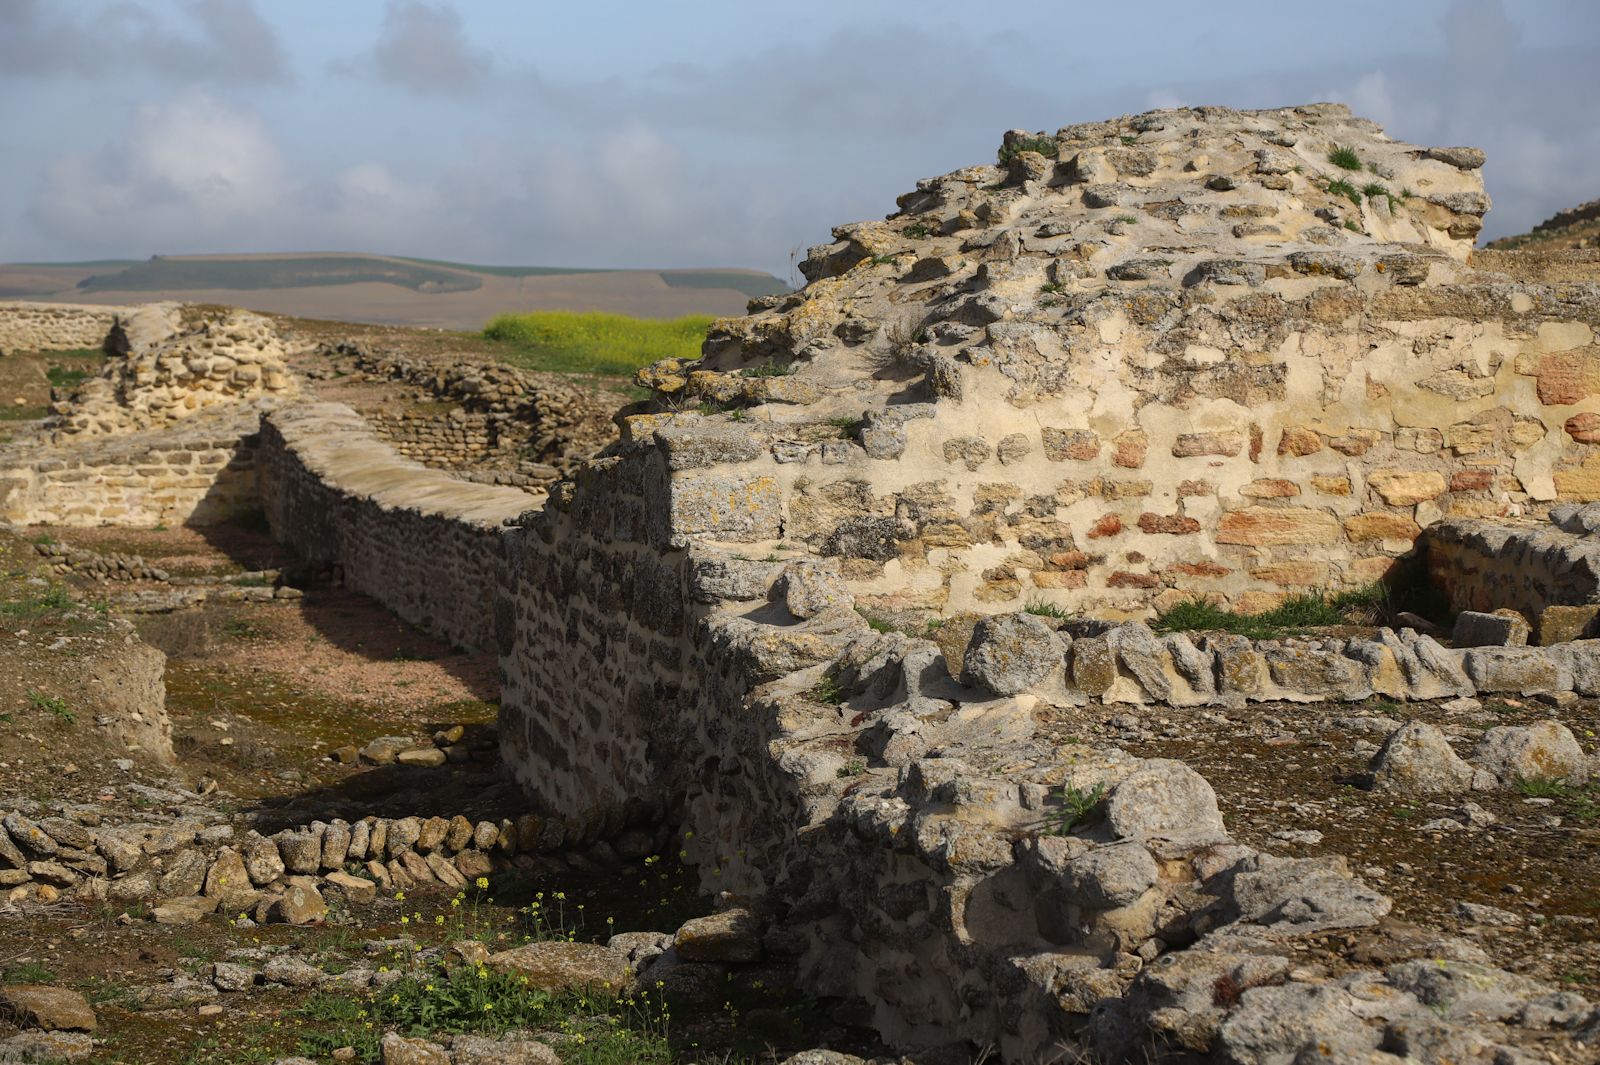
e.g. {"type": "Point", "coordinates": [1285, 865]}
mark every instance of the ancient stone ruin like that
{"type": "Point", "coordinates": [826, 604]}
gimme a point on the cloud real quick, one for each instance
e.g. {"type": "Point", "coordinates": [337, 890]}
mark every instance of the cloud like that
{"type": "Point", "coordinates": [224, 40]}
{"type": "Point", "coordinates": [192, 167]}
{"type": "Point", "coordinates": [871, 82]}
{"type": "Point", "coordinates": [424, 48]}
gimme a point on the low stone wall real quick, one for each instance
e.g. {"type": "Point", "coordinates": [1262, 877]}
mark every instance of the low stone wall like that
{"type": "Point", "coordinates": [1548, 571]}
{"type": "Point", "coordinates": [27, 326]}
{"type": "Point", "coordinates": [199, 474]}
{"type": "Point", "coordinates": [449, 440]}
{"type": "Point", "coordinates": [424, 544]}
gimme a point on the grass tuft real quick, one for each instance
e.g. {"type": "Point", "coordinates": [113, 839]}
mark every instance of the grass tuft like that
{"type": "Point", "coordinates": [1341, 187]}
{"type": "Point", "coordinates": [1344, 157]}
{"type": "Point", "coordinates": [1544, 787]}
{"type": "Point", "coordinates": [53, 705]}
{"type": "Point", "coordinates": [1295, 614]}
{"type": "Point", "coordinates": [1045, 146]}
{"type": "Point", "coordinates": [594, 343]}
{"type": "Point", "coordinates": [1045, 609]}
{"type": "Point", "coordinates": [1078, 806]}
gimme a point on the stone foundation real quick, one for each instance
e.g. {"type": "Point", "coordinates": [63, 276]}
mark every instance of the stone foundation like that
{"type": "Point", "coordinates": [424, 544]}
{"type": "Point", "coordinates": [28, 326]}
{"type": "Point", "coordinates": [200, 473]}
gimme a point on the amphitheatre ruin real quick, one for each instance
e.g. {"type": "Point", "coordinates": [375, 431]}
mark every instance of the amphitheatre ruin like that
{"type": "Point", "coordinates": [1136, 602]}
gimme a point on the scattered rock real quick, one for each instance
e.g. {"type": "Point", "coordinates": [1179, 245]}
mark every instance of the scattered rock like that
{"type": "Point", "coordinates": [1417, 758]}
{"type": "Point", "coordinates": [398, 1050]}
{"type": "Point", "coordinates": [1545, 750]}
{"type": "Point", "coordinates": [55, 1009]}
{"type": "Point", "coordinates": [733, 935]}
{"type": "Point", "coordinates": [562, 966]}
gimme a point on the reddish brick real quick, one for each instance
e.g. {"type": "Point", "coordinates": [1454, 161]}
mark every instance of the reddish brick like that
{"type": "Point", "coordinates": [1199, 569]}
{"type": "Point", "coordinates": [1471, 480]}
{"type": "Point", "coordinates": [1270, 526]}
{"type": "Point", "coordinates": [1070, 560]}
{"type": "Point", "coordinates": [1110, 525]}
{"type": "Point", "coordinates": [1130, 448]}
{"type": "Point", "coordinates": [1584, 428]}
{"type": "Point", "coordinates": [1123, 579]}
{"type": "Point", "coordinates": [1171, 524]}
{"type": "Point", "coordinates": [1568, 377]}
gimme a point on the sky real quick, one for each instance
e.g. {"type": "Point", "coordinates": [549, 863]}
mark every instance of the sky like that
{"type": "Point", "coordinates": [699, 132]}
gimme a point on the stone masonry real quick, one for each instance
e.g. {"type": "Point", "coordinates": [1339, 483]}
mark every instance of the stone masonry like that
{"type": "Point", "coordinates": [28, 326]}
{"type": "Point", "coordinates": [1188, 352]}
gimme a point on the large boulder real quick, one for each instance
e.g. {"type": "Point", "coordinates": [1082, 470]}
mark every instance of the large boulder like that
{"type": "Point", "coordinates": [55, 1009]}
{"type": "Point", "coordinates": [1010, 653]}
{"type": "Point", "coordinates": [1416, 758]}
{"type": "Point", "coordinates": [1545, 750]}
{"type": "Point", "coordinates": [1164, 798]}
{"type": "Point", "coordinates": [561, 966]}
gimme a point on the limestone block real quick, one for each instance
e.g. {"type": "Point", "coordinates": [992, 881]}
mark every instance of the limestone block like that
{"type": "Point", "coordinates": [1501, 629]}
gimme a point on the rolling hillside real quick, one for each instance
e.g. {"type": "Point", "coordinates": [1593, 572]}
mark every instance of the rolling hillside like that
{"type": "Point", "coordinates": [387, 289]}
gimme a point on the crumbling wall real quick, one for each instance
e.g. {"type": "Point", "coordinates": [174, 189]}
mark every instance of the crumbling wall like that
{"type": "Point", "coordinates": [200, 473]}
{"type": "Point", "coordinates": [1547, 571]}
{"type": "Point", "coordinates": [1172, 355]}
{"type": "Point", "coordinates": [424, 544]}
{"type": "Point", "coordinates": [29, 326]}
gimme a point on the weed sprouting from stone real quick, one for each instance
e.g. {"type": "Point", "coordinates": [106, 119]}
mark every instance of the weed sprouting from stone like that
{"type": "Point", "coordinates": [1543, 787]}
{"type": "Point", "coordinates": [1341, 187]}
{"type": "Point", "coordinates": [1078, 805]}
{"type": "Point", "coordinates": [827, 691]}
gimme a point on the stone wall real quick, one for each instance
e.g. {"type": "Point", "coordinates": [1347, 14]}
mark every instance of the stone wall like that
{"type": "Point", "coordinates": [1547, 571]}
{"type": "Point", "coordinates": [594, 627]}
{"type": "Point", "coordinates": [27, 326]}
{"type": "Point", "coordinates": [198, 474]}
{"type": "Point", "coordinates": [447, 440]}
{"type": "Point", "coordinates": [424, 544]}
{"type": "Point", "coordinates": [1172, 355]}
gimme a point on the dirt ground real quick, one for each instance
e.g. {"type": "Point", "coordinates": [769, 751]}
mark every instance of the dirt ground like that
{"type": "Point", "coordinates": [258, 694]}
{"type": "Point", "coordinates": [1281, 770]}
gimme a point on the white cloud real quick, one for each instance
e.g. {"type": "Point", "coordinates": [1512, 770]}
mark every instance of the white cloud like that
{"type": "Point", "coordinates": [224, 40]}
{"type": "Point", "coordinates": [423, 47]}
{"type": "Point", "coordinates": [189, 170]}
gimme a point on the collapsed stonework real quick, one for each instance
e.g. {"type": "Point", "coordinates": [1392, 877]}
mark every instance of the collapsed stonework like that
{"type": "Point", "coordinates": [1202, 352]}
{"type": "Point", "coordinates": [163, 372]}
{"type": "Point", "coordinates": [1172, 355]}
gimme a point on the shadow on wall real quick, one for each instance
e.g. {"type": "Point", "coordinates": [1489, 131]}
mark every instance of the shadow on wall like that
{"type": "Point", "coordinates": [236, 527]}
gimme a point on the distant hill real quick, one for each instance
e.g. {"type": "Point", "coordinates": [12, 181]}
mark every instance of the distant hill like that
{"type": "Point", "coordinates": [1575, 228]}
{"type": "Point", "coordinates": [387, 289]}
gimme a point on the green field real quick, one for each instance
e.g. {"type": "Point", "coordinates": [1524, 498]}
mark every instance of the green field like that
{"type": "Point", "coordinates": [609, 344]}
